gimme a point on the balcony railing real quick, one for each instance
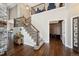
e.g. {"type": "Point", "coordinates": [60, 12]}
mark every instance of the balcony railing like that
{"type": "Point", "coordinates": [44, 7]}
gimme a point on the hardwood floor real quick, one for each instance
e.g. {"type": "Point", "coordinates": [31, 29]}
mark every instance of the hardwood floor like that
{"type": "Point", "coordinates": [55, 48]}
{"type": "Point", "coordinates": [25, 50]}
{"type": "Point", "coordinates": [58, 49]}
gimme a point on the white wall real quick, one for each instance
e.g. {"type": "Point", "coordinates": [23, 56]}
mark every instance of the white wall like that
{"type": "Point", "coordinates": [41, 23]}
{"type": "Point", "coordinates": [42, 20]}
{"type": "Point", "coordinates": [55, 28]}
{"type": "Point", "coordinates": [64, 13]}
{"type": "Point", "coordinates": [20, 10]}
{"type": "Point", "coordinates": [13, 12]}
{"type": "Point", "coordinates": [23, 10]}
{"type": "Point", "coordinates": [73, 11]}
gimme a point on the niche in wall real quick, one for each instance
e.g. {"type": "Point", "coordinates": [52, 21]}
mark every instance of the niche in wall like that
{"type": "Point", "coordinates": [51, 6]}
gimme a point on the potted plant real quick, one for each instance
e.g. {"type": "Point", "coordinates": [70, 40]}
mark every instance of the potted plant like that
{"type": "Point", "coordinates": [19, 38]}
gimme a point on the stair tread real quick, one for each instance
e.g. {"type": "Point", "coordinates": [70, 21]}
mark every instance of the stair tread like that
{"type": "Point", "coordinates": [32, 33]}
{"type": "Point", "coordinates": [30, 30]}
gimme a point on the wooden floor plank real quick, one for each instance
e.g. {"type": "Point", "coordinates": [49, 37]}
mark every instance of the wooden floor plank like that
{"type": "Point", "coordinates": [55, 48]}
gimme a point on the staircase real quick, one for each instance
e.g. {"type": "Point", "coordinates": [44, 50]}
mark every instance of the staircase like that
{"type": "Point", "coordinates": [30, 29]}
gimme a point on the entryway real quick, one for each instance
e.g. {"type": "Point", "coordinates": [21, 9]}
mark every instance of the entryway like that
{"type": "Point", "coordinates": [56, 29]}
{"type": "Point", "coordinates": [57, 37]}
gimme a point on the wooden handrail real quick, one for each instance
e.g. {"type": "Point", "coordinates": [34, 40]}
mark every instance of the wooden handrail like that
{"type": "Point", "coordinates": [22, 17]}
{"type": "Point", "coordinates": [37, 41]}
{"type": "Point", "coordinates": [31, 23]}
{"type": "Point", "coordinates": [27, 18]}
{"type": "Point", "coordinates": [34, 27]}
{"type": "Point", "coordinates": [37, 5]}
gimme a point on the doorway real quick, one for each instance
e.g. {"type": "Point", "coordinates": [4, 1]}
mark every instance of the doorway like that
{"type": "Point", "coordinates": [57, 37]}
{"type": "Point", "coordinates": [56, 29]}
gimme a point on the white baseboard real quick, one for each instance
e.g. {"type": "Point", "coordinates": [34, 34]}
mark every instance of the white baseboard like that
{"type": "Point", "coordinates": [46, 41]}
{"type": "Point", "coordinates": [68, 46]}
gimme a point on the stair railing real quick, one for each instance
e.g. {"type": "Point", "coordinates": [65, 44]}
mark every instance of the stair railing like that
{"type": "Point", "coordinates": [24, 25]}
{"type": "Point", "coordinates": [37, 42]}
